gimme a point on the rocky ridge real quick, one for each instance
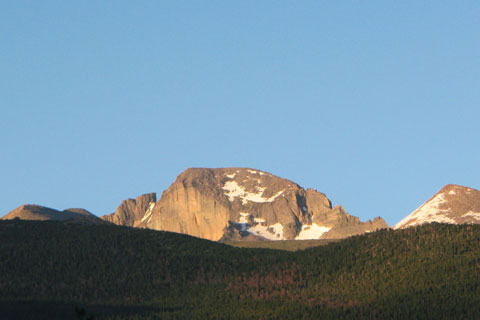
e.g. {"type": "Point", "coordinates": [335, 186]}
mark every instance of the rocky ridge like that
{"type": "Point", "coordinates": [36, 212]}
{"type": "Point", "coordinates": [241, 203]}
{"type": "Point", "coordinates": [452, 204]}
{"type": "Point", "coordinates": [133, 212]}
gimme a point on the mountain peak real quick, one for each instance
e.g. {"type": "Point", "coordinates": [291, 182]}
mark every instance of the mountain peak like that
{"type": "Point", "coordinates": [132, 212]}
{"type": "Point", "coordinates": [36, 212]}
{"type": "Point", "coordinates": [244, 203]}
{"type": "Point", "coordinates": [453, 204]}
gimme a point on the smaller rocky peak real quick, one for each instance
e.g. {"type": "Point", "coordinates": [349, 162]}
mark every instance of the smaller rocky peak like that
{"type": "Point", "coordinates": [337, 217]}
{"type": "Point", "coordinates": [317, 202]}
{"type": "Point", "coordinates": [453, 204]}
{"type": "Point", "coordinates": [375, 224]}
{"type": "Point", "coordinates": [380, 222]}
{"type": "Point", "coordinates": [131, 211]}
{"type": "Point", "coordinates": [36, 212]}
{"type": "Point", "coordinates": [145, 200]}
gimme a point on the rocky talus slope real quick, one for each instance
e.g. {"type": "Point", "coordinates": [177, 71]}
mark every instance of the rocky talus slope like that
{"type": "Point", "coordinates": [452, 204]}
{"type": "Point", "coordinates": [241, 203]}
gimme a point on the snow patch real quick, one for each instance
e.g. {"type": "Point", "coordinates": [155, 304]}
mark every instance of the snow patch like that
{"type": "Point", "coordinates": [231, 176]}
{"type": "Point", "coordinates": [310, 232]}
{"type": "Point", "coordinates": [474, 215]}
{"type": "Point", "coordinates": [273, 232]}
{"type": "Point", "coordinates": [274, 196]}
{"type": "Point", "coordinates": [148, 213]}
{"type": "Point", "coordinates": [243, 221]}
{"type": "Point", "coordinates": [234, 190]}
{"type": "Point", "coordinates": [256, 172]}
{"type": "Point", "coordinates": [428, 212]}
{"type": "Point", "coordinates": [277, 229]}
{"type": "Point", "coordinates": [259, 228]}
{"type": "Point", "coordinates": [452, 192]}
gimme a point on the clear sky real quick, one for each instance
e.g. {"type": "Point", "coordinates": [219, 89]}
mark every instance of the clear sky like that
{"type": "Point", "coordinates": [374, 103]}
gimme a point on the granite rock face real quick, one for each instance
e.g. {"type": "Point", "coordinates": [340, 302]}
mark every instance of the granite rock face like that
{"type": "Point", "coordinates": [242, 203]}
{"type": "Point", "coordinates": [131, 211]}
{"type": "Point", "coordinates": [452, 204]}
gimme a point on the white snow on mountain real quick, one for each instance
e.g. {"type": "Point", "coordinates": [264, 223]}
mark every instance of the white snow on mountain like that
{"type": "Point", "coordinates": [234, 190]}
{"type": "Point", "coordinates": [430, 211]}
{"type": "Point", "coordinates": [273, 232]}
{"type": "Point", "coordinates": [474, 215]}
{"type": "Point", "coordinates": [259, 228]}
{"type": "Point", "coordinates": [312, 231]}
{"type": "Point", "coordinates": [148, 213]}
{"type": "Point", "coordinates": [243, 221]}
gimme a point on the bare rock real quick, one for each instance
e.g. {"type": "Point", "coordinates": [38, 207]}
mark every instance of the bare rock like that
{"type": "Point", "coordinates": [131, 211]}
{"type": "Point", "coordinates": [36, 212]}
{"type": "Point", "coordinates": [452, 204]}
{"type": "Point", "coordinates": [240, 203]}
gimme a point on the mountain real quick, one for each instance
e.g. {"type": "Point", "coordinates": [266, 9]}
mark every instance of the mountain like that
{"type": "Point", "coordinates": [132, 212]}
{"type": "Point", "coordinates": [242, 203]}
{"type": "Point", "coordinates": [452, 204]}
{"type": "Point", "coordinates": [36, 212]}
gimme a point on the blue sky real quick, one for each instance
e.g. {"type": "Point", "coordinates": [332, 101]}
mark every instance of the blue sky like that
{"type": "Point", "coordinates": [375, 103]}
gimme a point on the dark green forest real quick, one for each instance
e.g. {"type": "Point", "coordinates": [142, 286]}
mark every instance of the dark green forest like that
{"type": "Point", "coordinates": [57, 270]}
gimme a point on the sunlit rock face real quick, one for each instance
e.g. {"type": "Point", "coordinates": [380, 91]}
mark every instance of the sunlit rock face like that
{"type": "Point", "coordinates": [132, 211]}
{"type": "Point", "coordinates": [244, 203]}
{"type": "Point", "coordinates": [36, 212]}
{"type": "Point", "coordinates": [452, 204]}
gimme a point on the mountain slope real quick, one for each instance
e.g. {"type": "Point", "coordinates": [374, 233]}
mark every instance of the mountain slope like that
{"type": "Point", "coordinates": [36, 212]}
{"type": "Point", "coordinates": [244, 203]}
{"type": "Point", "coordinates": [132, 212]}
{"type": "Point", "coordinates": [452, 204]}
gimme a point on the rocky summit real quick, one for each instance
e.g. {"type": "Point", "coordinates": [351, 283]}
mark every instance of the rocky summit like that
{"type": "Point", "coordinates": [241, 203]}
{"type": "Point", "coordinates": [453, 204]}
{"type": "Point", "coordinates": [36, 212]}
{"type": "Point", "coordinates": [133, 212]}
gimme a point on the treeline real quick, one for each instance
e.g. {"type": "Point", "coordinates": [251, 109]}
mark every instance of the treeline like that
{"type": "Point", "coordinates": [119, 272]}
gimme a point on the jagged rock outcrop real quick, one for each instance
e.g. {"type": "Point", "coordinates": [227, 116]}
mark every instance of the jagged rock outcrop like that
{"type": "Point", "coordinates": [132, 211]}
{"type": "Point", "coordinates": [36, 212]}
{"type": "Point", "coordinates": [243, 203]}
{"type": "Point", "coordinates": [452, 204]}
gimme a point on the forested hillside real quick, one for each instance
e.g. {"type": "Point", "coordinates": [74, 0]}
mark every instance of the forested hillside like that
{"type": "Point", "coordinates": [47, 269]}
